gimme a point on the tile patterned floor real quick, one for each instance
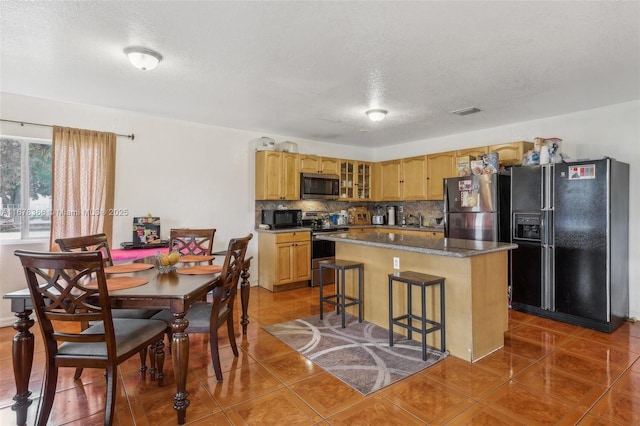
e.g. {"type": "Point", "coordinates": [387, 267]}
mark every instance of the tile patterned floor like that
{"type": "Point", "coordinates": [548, 373]}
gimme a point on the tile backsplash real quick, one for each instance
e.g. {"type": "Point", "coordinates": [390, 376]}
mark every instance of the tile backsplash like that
{"type": "Point", "coordinates": [428, 209]}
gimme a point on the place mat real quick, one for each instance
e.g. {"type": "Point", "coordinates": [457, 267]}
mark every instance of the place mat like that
{"type": "Point", "coordinates": [187, 258]}
{"type": "Point", "coordinates": [120, 283]}
{"type": "Point", "coordinates": [127, 267]}
{"type": "Point", "coordinates": [200, 270]}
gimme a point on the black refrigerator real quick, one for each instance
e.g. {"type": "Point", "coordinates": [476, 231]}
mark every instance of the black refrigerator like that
{"type": "Point", "coordinates": [477, 207]}
{"type": "Point", "coordinates": [571, 224]}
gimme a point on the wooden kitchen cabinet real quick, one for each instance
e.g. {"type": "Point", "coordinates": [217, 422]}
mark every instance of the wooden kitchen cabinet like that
{"type": "Point", "coordinates": [404, 179]}
{"type": "Point", "coordinates": [414, 178]}
{"type": "Point", "coordinates": [309, 164]}
{"type": "Point", "coordinates": [364, 175]}
{"type": "Point", "coordinates": [330, 166]}
{"type": "Point", "coordinates": [434, 234]}
{"type": "Point", "coordinates": [348, 180]}
{"type": "Point", "coordinates": [277, 176]}
{"type": "Point", "coordinates": [355, 180]}
{"type": "Point", "coordinates": [474, 152]}
{"type": "Point", "coordinates": [511, 154]}
{"type": "Point", "coordinates": [439, 167]}
{"type": "Point", "coordinates": [317, 164]}
{"type": "Point", "coordinates": [408, 179]}
{"type": "Point", "coordinates": [390, 185]}
{"type": "Point", "coordinates": [285, 260]}
{"type": "Point", "coordinates": [411, 231]}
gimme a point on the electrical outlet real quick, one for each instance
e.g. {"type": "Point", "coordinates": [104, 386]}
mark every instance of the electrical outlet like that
{"type": "Point", "coordinates": [396, 263]}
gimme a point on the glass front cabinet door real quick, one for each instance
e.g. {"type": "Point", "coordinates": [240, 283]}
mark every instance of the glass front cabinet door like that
{"type": "Point", "coordinates": [355, 180]}
{"type": "Point", "coordinates": [364, 180]}
{"type": "Point", "coordinates": [347, 179]}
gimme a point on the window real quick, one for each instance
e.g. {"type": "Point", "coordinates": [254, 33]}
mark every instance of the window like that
{"type": "Point", "coordinates": [25, 188]}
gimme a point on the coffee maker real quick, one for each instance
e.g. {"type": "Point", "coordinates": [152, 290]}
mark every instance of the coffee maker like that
{"type": "Point", "coordinates": [378, 218]}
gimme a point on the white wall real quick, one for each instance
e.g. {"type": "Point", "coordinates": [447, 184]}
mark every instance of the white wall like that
{"type": "Point", "coordinates": [201, 176]}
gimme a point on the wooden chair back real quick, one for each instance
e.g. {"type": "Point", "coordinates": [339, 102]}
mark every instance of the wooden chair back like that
{"type": "Point", "coordinates": [96, 242]}
{"type": "Point", "coordinates": [69, 290]}
{"type": "Point", "coordinates": [225, 292]}
{"type": "Point", "coordinates": [198, 242]}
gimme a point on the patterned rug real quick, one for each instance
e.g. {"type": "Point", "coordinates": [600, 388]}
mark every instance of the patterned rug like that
{"type": "Point", "coordinates": [359, 354]}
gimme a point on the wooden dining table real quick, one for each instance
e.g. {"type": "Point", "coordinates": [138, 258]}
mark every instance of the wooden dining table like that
{"type": "Point", "coordinates": [172, 290]}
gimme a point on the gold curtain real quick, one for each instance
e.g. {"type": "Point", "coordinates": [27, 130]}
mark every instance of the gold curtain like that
{"type": "Point", "coordinates": [84, 169]}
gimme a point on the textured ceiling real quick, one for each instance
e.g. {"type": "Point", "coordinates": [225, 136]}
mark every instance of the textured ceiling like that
{"type": "Point", "coordinates": [311, 69]}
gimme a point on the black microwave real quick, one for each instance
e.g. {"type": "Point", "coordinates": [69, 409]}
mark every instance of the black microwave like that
{"type": "Point", "coordinates": [317, 186]}
{"type": "Point", "coordinates": [282, 218]}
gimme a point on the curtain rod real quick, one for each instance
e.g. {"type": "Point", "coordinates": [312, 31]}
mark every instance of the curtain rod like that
{"type": "Point", "coordinates": [22, 123]}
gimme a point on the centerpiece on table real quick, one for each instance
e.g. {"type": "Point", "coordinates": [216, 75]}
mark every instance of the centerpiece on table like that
{"type": "Point", "coordinates": [166, 262]}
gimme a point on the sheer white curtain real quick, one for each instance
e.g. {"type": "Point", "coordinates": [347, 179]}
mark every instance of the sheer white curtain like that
{"type": "Point", "coordinates": [83, 183]}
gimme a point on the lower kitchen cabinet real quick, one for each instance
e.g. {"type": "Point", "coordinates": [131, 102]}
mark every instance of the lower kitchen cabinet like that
{"type": "Point", "coordinates": [432, 234]}
{"type": "Point", "coordinates": [284, 260]}
{"type": "Point", "coordinates": [409, 231]}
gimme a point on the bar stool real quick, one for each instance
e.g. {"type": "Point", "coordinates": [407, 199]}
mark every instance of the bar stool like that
{"type": "Point", "coordinates": [339, 299]}
{"type": "Point", "coordinates": [421, 281]}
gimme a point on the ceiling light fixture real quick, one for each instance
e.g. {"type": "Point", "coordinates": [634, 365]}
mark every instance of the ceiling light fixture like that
{"type": "Point", "coordinates": [143, 58]}
{"type": "Point", "coordinates": [376, 114]}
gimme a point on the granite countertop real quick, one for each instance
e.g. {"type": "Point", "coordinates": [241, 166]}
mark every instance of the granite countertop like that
{"type": "Point", "coordinates": [437, 228]}
{"type": "Point", "coordinates": [451, 247]}
{"type": "Point", "coordinates": [279, 231]}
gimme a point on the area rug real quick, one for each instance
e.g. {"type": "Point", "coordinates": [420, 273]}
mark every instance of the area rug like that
{"type": "Point", "coordinates": [359, 354]}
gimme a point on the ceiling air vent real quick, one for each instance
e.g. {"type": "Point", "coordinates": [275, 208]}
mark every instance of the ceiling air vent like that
{"type": "Point", "coordinates": [466, 111]}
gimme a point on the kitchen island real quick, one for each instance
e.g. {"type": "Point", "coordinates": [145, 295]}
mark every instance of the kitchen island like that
{"type": "Point", "coordinates": [476, 281]}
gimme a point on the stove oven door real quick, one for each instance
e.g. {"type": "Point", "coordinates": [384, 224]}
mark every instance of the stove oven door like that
{"type": "Point", "coordinates": [328, 275]}
{"type": "Point", "coordinates": [322, 250]}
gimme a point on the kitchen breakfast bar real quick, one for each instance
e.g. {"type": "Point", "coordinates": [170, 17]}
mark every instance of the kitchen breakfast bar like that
{"type": "Point", "coordinates": [476, 282]}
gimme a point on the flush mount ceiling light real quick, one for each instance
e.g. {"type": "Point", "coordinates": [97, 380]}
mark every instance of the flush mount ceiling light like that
{"type": "Point", "coordinates": [143, 58]}
{"type": "Point", "coordinates": [376, 114]}
{"type": "Point", "coordinates": [466, 111]}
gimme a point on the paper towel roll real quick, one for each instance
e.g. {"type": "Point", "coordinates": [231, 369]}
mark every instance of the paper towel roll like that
{"type": "Point", "coordinates": [544, 154]}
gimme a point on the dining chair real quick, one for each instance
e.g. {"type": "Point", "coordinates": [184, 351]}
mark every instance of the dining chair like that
{"type": "Point", "coordinates": [67, 290]}
{"type": "Point", "coordinates": [196, 242]}
{"type": "Point", "coordinates": [208, 317]}
{"type": "Point", "coordinates": [95, 242]}
{"type": "Point", "coordinates": [100, 243]}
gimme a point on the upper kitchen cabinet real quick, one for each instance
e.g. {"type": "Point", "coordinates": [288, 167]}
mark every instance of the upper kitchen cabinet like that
{"type": "Point", "coordinates": [364, 174]}
{"type": "Point", "coordinates": [277, 176]}
{"type": "Point", "coordinates": [511, 154]}
{"type": "Point", "coordinates": [355, 180]}
{"type": "Point", "coordinates": [474, 152]}
{"type": "Point", "coordinates": [403, 179]}
{"type": "Point", "coordinates": [389, 180]}
{"type": "Point", "coordinates": [347, 179]}
{"type": "Point", "coordinates": [439, 167]}
{"type": "Point", "coordinates": [414, 178]}
{"type": "Point", "coordinates": [316, 164]}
